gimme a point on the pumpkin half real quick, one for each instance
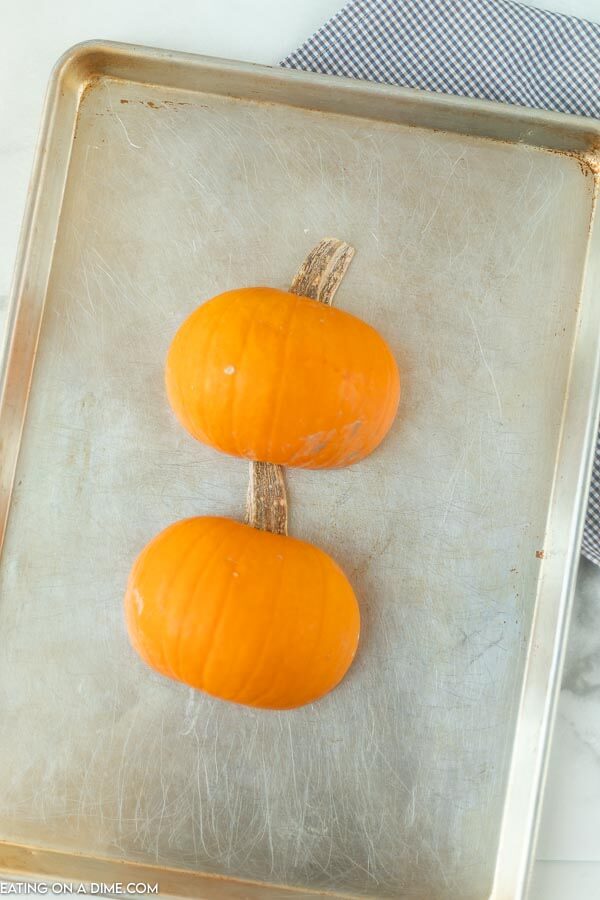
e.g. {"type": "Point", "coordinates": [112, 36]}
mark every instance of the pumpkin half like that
{"type": "Point", "coordinates": [245, 615]}
{"type": "Point", "coordinates": [271, 376]}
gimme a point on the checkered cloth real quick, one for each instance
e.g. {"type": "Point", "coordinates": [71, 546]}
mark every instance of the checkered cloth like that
{"type": "Point", "coordinates": [491, 49]}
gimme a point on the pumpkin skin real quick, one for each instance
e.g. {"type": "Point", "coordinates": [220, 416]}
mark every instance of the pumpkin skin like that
{"type": "Point", "coordinates": [245, 615]}
{"type": "Point", "coordinates": [274, 377]}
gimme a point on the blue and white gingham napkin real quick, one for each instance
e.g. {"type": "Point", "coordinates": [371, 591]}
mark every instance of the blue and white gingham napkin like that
{"type": "Point", "coordinates": [491, 49]}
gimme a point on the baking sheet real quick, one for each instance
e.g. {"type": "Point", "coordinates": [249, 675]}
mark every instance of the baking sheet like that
{"type": "Point", "coordinates": [183, 177]}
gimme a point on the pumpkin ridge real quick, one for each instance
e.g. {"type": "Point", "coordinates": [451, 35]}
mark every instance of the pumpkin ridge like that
{"type": "Point", "coordinates": [337, 460]}
{"type": "Point", "coordinates": [234, 405]}
{"type": "Point", "coordinates": [219, 609]}
{"type": "Point", "coordinates": [341, 459]}
{"type": "Point", "coordinates": [339, 569]}
{"type": "Point", "coordinates": [276, 603]}
{"type": "Point", "coordinates": [217, 325]}
{"type": "Point", "coordinates": [137, 565]}
{"type": "Point", "coordinates": [166, 589]}
{"type": "Point", "coordinates": [319, 630]}
{"type": "Point", "coordinates": [328, 457]}
{"type": "Point", "coordinates": [217, 626]}
{"type": "Point", "coordinates": [260, 700]}
{"type": "Point", "coordinates": [191, 602]}
{"type": "Point", "coordinates": [184, 397]}
{"type": "Point", "coordinates": [142, 645]}
{"type": "Point", "coordinates": [165, 663]}
{"type": "Point", "coordinates": [284, 353]}
{"type": "Point", "coordinates": [208, 341]}
{"type": "Point", "coordinates": [392, 375]}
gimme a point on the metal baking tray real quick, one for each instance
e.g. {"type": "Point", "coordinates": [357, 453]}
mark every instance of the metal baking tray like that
{"type": "Point", "coordinates": [162, 179]}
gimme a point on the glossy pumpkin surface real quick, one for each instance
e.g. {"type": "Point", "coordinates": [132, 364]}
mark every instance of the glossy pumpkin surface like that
{"type": "Point", "coordinates": [245, 615]}
{"type": "Point", "coordinates": [271, 376]}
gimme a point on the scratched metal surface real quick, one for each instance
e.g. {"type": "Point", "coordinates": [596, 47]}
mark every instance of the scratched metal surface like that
{"type": "Point", "coordinates": [392, 786]}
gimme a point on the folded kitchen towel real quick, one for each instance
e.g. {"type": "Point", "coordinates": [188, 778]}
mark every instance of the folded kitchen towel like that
{"type": "Point", "coordinates": [491, 49]}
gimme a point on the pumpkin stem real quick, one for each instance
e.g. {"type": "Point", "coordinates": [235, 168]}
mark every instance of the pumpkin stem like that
{"type": "Point", "coordinates": [322, 271]}
{"type": "Point", "coordinates": [266, 506]}
{"type": "Point", "coordinates": [318, 277]}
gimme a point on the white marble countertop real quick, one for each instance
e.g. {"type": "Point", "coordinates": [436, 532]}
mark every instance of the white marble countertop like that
{"type": "Point", "coordinates": [34, 34]}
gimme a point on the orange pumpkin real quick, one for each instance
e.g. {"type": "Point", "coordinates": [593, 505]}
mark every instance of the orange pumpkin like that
{"type": "Point", "coordinates": [268, 375]}
{"type": "Point", "coordinates": [245, 615]}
